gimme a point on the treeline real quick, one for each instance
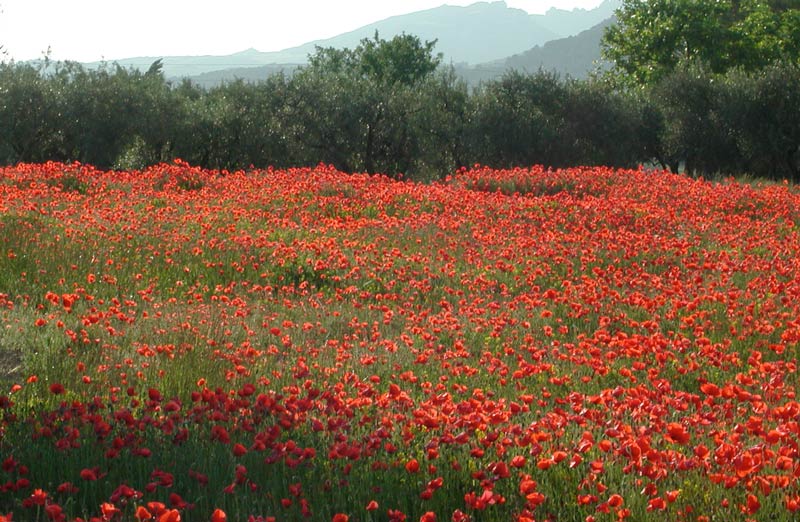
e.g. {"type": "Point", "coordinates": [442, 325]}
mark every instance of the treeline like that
{"type": "Point", "coordinates": [391, 107]}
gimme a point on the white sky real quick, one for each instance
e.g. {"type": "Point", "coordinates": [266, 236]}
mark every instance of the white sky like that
{"type": "Point", "coordinates": [90, 30]}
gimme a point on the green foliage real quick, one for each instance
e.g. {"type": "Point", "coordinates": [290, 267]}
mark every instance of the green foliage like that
{"type": "Point", "coordinates": [738, 123]}
{"type": "Point", "coordinates": [236, 125]}
{"type": "Point", "coordinates": [390, 107]}
{"type": "Point", "coordinates": [326, 114]}
{"type": "Point", "coordinates": [441, 123]}
{"type": "Point", "coordinates": [381, 107]}
{"type": "Point", "coordinates": [761, 114]}
{"type": "Point", "coordinates": [135, 156]}
{"type": "Point", "coordinates": [518, 120]}
{"type": "Point", "coordinates": [604, 126]}
{"type": "Point", "coordinates": [539, 119]}
{"type": "Point", "coordinates": [103, 109]}
{"type": "Point", "coordinates": [361, 109]}
{"type": "Point", "coordinates": [694, 133]}
{"type": "Point", "coordinates": [651, 37]}
{"type": "Point", "coordinates": [402, 60]}
{"type": "Point", "coordinates": [29, 109]}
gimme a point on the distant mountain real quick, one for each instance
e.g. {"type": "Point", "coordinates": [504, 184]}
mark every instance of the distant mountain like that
{"type": "Point", "coordinates": [247, 74]}
{"type": "Point", "coordinates": [474, 34]}
{"type": "Point", "coordinates": [479, 33]}
{"type": "Point", "coordinates": [575, 56]}
{"type": "Point", "coordinates": [188, 66]}
{"type": "Point", "coordinates": [570, 23]}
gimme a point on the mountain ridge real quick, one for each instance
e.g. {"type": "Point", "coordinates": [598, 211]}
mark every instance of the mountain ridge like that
{"type": "Point", "coordinates": [479, 33]}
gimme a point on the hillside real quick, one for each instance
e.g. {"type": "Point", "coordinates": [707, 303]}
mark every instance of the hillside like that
{"type": "Point", "coordinates": [573, 56]}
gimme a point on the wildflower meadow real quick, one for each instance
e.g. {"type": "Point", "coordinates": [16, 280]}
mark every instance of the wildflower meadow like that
{"type": "Point", "coordinates": [585, 344]}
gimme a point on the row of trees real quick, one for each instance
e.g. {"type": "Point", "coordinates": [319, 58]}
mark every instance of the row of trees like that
{"type": "Point", "coordinates": [736, 123]}
{"type": "Point", "coordinates": [723, 76]}
{"type": "Point", "coordinates": [390, 107]}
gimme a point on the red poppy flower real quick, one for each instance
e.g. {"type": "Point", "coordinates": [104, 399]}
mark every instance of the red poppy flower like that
{"type": "Point", "coordinates": [171, 515]}
{"type": "Point", "coordinates": [753, 504]}
{"type": "Point", "coordinates": [656, 504]}
{"type": "Point", "coordinates": [677, 433]}
{"type": "Point", "coordinates": [239, 450]}
{"type": "Point", "coordinates": [109, 510]}
{"type": "Point", "coordinates": [39, 497]}
{"type": "Point", "coordinates": [54, 512]}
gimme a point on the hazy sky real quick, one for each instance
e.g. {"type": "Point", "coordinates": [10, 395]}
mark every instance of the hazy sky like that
{"type": "Point", "coordinates": [89, 30]}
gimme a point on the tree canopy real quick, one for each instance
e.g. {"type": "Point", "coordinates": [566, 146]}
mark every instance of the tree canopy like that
{"type": "Point", "coordinates": [402, 60]}
{"type": "Point", "coordinates": [652, 37]}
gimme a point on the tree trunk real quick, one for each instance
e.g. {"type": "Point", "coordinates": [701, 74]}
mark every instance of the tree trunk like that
{"type": "Point", "coordinates": [369, 162]}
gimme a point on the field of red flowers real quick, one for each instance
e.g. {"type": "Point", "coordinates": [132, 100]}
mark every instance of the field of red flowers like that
{"type": "Point", "coordinates": [571, 345]}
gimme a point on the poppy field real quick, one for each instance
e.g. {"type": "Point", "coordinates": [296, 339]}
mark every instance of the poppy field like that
{"type": "Point", "coordinates": [585, 344]}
